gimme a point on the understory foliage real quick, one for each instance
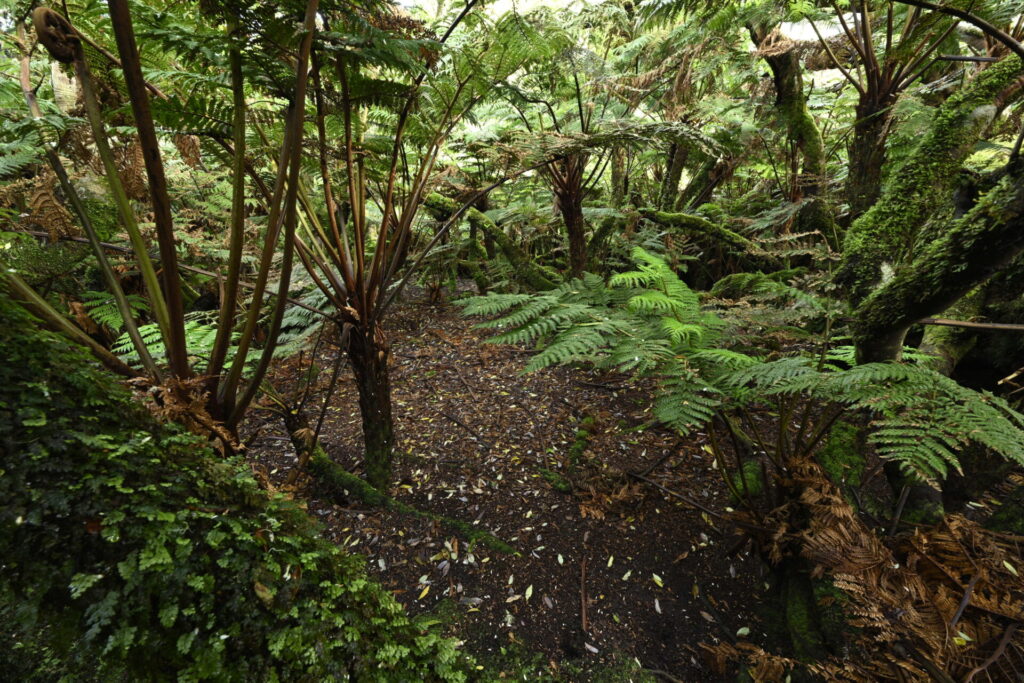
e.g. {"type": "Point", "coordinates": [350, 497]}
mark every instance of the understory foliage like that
{"type": "Point", "coordinates": [649, 323]}
{"type": "Point", "coordinates": [131, 551]}
{"type": "Point", "coordinates": [921, 418]}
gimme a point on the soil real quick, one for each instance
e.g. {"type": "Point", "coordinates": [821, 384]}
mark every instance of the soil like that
{"type": "Point", "coordinates": [612, 570]}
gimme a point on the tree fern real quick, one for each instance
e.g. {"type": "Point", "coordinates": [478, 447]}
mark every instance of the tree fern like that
{"type": "Point", "coordinates": [643, 322]}
{"type": "Point", "coordinates": [921, 418]}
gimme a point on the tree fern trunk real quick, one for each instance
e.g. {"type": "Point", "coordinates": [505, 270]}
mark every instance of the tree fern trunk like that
{"type": "Point", "coordinates": [571, 208]}
{"type": "Point", "coordinates": [677, 154]}
{"type": "Point", "coordinates": [867, 155]}
{"type": "Point", "coordinates": [368, 352]}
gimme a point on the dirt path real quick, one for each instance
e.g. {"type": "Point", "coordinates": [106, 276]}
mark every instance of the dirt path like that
{"type": "Point", "coordinates": [612, 569]}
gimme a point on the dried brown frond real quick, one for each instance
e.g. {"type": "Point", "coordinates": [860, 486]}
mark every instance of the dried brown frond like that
{"type": "Point", "coordinates": [131, 166]}
{"type": "Point", "coordinates": [12, 193]}
{"type": "Point", "coordinates": [944, 602]}
{"type": "Point", "coordinates": [774, 44]}
{"type": "Point", "coordinates": [185, 401]}
{"type": "Point", "coordinates": [761, 665]}
{"type": "Point", "coordinates": [78, 145]}
{"type": "Point", "coordinates": [188, 148]}
{"type": "Point", "coordinates": [46, 210]}
{"type": "Point", "coordinates": [942, 597]}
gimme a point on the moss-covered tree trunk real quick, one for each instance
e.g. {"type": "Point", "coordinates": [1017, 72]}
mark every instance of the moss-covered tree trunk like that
{"type": "Point", "coordinates": [707, 233]}
{"type": "Point", "coordinates": [885, 236]}
{"type": "Point", "coordinates": [974, 248]}
{"type": "Point", "coordinates": [526, 270]}
{"type": "Point", "coordinates": [950, 344]}
{"type": "Point", "coordinates": [368, 352]}
{"type": "Point", "coordinates": [802, 132]}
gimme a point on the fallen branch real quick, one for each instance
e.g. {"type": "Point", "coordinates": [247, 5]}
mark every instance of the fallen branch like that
{"type": "Point", "coordinates": [675, 494]}
{"type": "Point", "coordinates": [335, 477]}
{"type": "Point", "coordinates": [974, 326]}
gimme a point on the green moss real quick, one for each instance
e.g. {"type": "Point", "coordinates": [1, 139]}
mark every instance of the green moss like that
{"type": "Point", "coordinates": [984, 240]}
{"type": "Point", "coordinates": [582, 442]}
{"type": "Point", "coordinates": [556, 480]}
{"type": "Point", "coordinates": [832, 604]}
{"type": "Point", "coordinates": [950, 344]}
{"type": "Point", "coordinates": [802, 619]}
{"type": "Point", "coordinates": [750, 479]}
{"type": "Point", "coordinates": [715, 235]}
{"type": "Point", "coordinates": [842, 455]}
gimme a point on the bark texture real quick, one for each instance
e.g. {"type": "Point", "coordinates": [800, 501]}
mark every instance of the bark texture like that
{"type": "Point", "coordinates": [369, 360]}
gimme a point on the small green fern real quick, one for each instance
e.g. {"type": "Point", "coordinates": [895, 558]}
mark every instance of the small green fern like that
{"type": "Point", "coordinates": [103, 309]}
{"type": "Point", "coordinates": [200, 334]}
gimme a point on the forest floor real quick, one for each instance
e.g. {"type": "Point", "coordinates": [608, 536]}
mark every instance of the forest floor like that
{"type": "Point", "coordinates": [611, 570]}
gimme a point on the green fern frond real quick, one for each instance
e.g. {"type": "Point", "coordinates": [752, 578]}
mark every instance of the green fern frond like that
{"type": "Point", "coordinates": [491, 304]}
{"type": "Point", "coordinates": [103, 309]}
{"type": "Point", "coordinates": [689, 334]}
{"type": "Point", "coordinates": [578, 343]}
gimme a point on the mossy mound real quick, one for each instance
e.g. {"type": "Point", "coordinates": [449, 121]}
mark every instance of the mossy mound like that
{"type": "Point", "coordinates": [130, 551]}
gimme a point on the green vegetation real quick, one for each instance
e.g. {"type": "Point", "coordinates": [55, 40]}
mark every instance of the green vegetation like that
{"type": "Point", "coordinates": [779, 245]}
{"type": "Point", "coordinates": [131, 549]}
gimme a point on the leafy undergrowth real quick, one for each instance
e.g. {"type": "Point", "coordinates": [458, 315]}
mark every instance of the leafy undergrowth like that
{"type": "Point", "coordinates": [540, 461]}
{"type": "Point", "coordinates": [130, 551]}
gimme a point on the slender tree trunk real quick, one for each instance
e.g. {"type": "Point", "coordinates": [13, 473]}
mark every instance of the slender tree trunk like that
{"type": "Point", "coordinates": [677, 154]}
{"type": "Point", "coordinates": [571, 207]}
{"type": "Point", "coordinates": [619, 178]}
{"type": "Point", "coordinates": [368, 352]}
{"type": "Point", "coordinates": [867, 155]}
{"type": "Point", "coordinates": [483, 205]}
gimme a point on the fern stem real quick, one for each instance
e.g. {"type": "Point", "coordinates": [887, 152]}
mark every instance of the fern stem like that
{"type": "Point", "coordinates": [295, 123]}
{"type": "Point", "coordinates": [175, 341]}
{"type": "Point", "coordinates": [229, 302]}
{"type": "Point", "coordinates": [24, 293]}
{"type": "Point", "coordinates": [156, 299]}
{"type": "Point", "coordinates": [113, 286]}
